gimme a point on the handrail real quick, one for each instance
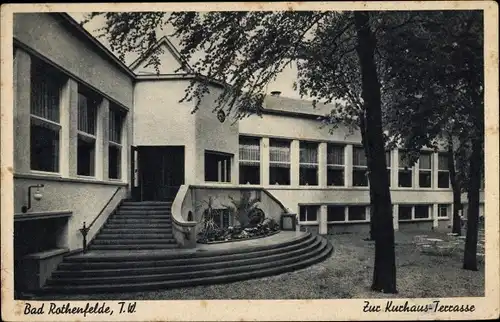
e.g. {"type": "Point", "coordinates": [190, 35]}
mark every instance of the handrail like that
{"type": "Point", "coordinates": [85, 229]}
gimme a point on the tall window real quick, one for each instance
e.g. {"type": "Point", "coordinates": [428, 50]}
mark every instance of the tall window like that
{"type": "Point", "coordinates": [357, 213]}
{"type": "Point", "coordinates": [87, 124]}
{"type": "Point", "coordinates": [422, 211]}
{"type": "Point", "coordinates": [405, 212]}
{"type": "Point", "coordinates": [309, 213]}
{"type": "Point", "coordinates": [335, 165]}
{"type": "Point", "coordinates": [279, 162]}
{"type": "Point", "coordinates": [443, 210]}
{"type": "Point", "coordinates": [308, 173]}
{"type": "Point", "coordinates": [443, 171]}
{"type": "Point", "coordinates": [425, 170]}
{"type": "Point", "coordinates": [249, 160]}
{"type": "Point", "coordinates": [335, 213]}
{"type": "Point", "coordinates": [405, 172]}
{"type": "Point", "coordinates": [116, 117]}
{"type": "Point", "coordinates": [359, 167]}
{"type": "Point", "coordinates": [217, 167]}
{"type": "Point", "coordinates": [45, 126]}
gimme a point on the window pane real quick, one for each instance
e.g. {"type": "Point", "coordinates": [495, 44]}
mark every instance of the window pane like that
{"type": "Point", "coordinates": [249, 174]}
{"type": "Point", "coordinates": [217, 167]}
{"type": "Point", "coordinates": [309, 213]}
{"type": "Point", "coordinates": [86, 157]}
{"type": "Point", "coordinates": [45, 90]}
{"type": "Point", "coordinates": [114, 165]}
{"type": "Point", "coordinates": [335, 154]}
{"type": "Point", "coordinates": [249, 149]}
{"type": "Point", "coordinates": [358, 156]}
{"type": "Point", "coordinates": [115, 124]}
{"type": "Point", "coordinates": [443, 179]}
{"type": "Point", "coordinates": [44, 148]}
{"type": "Point", "coordinates": [308, 176]}
{"type": "Point", "coordinates": [308, 152]}
{"type": "Point", "coordinates": [388, 158]}
{"type": "Point", "coordinates": [403, 160]}
{"type": "Point", "coordinates": [404, 212]}
{"type": "Point", "coordinates": [442, 161]}
{"type": "Point", "coordinates": [279, 175]}
{"type": "Point", "coordinates": [335, 213]}
{"type": "Point", "coordinates": [359, 178]}
{"type": "Point", "coordinates": [422, 211]}
{"type": "Point", "coordinates": [335, 177]}
{"type": "Point", "coordinates": [405, 178]}
{"type": "Point", "coordinates": [279, 151]}
{"type": "Point", "coordinates": [425, 161]}
{"type": "Point", "coordinates": [443, 210]}
{"type": "Point", "coordinates": [87, 114]}
{"type": "Point", "coordinates": [357, 213]}
{"type": "Point", "coordinates": [425, 179]}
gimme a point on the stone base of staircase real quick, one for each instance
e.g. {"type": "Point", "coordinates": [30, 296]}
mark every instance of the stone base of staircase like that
{"type": "Point", "coordinates": [102, 270]}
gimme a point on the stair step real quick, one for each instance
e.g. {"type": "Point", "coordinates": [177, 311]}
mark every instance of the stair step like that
{"type": "Point", "coordinates": [142, 286]}
{"type": "Point", "coordinates": [187, 267]}
{"type": "Point", "coordinates": [82, 263]}
{"type": "Point", "coordinates": [133, 241]}
{"type": "Point", "coordinates": [225, 270]}
{"type": "Point", "coordinates": [121, 212]}
{"type": "Point", "coordinates": [139, 220]}
{"type": "Point", "coordinates": [133, 236]}
{"type": "Point", "coordinates": [146, 204]}
{"type": "Point", "coordinates": [141, 225]}
{"type": "Point", "coordinates": [134, 230]}
{"type": "Point", "coordinates": [133, 247]}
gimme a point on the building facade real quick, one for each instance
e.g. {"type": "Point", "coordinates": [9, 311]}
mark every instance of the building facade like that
{"type": "Point", "coordinates": [90, 129]}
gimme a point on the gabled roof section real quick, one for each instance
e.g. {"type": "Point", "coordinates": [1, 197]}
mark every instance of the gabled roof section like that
{"type": "Point", "coordinates": [88, 37]}
{"type": "Point", "coordinates": [163, 41]}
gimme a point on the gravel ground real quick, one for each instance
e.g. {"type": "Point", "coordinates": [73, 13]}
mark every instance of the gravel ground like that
{"type": "Point", "coordinates": [346, 274]}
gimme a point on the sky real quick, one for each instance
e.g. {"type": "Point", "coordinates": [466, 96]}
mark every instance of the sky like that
{"type": "Point", "coordinates": [283, 83]}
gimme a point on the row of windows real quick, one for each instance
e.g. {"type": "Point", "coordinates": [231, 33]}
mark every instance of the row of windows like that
{"type": "Point", "coordinates": [279, 165]}
{"type": "Point", "coordinates": [46, 126]}
{"type": "Point", "coordinates": [356, 213]}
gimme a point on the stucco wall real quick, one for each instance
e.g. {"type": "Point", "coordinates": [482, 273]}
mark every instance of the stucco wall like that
{"type": "Point", "coordinates": [159, 119]}
{"type": "Point", "coordinates": [46, 34]}
{"type": "Point", "coordinates": [294, 128]}
{"type": "Point", "coordinates": [291, 198]}
{"type": "Point", "coordinates": [415, 225]}
{"type": "Point", "coordinates": [213, 135]}
{"type": "Point", "coordinates": [85, 200]}
{"type": "Point", "coordinates": [348, 228]}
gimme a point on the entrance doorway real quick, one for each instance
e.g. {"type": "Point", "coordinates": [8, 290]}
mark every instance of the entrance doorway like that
{"type": "Point", "coordinates": [158, 172]}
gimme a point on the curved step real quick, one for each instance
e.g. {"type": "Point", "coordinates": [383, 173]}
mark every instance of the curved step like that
{"type": "Point", "coordinates": [119, 277]}
{"type": "Point", "coordinates": [77, 263]}
{"type": "Point", "coordinates": [228, 276]}
{"type": "Point", "coordinates": [187, 266]}
{"type": "Point", "coordinates": [133, 247]}
{"type": "Point", "coordinates": [195, 253]}
{"type": "Point", "coordinates": [133, 241]}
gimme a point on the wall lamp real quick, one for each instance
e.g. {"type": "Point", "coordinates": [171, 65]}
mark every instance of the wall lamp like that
{"type": "Point", "coordinates": [37, 196]}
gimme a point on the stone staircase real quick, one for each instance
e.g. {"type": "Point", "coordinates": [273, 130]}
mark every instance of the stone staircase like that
{"type": "Point", "coordinates": [139, 270]}
{"type": "Point", "coordinates": [137, 226]}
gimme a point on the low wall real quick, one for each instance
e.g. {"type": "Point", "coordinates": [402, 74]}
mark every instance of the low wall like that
{"type": "Point", "coordinates": [84, 199]}
{"type": "Point", "coordinates": [415, 225]}
{"type": "Point", "coordinates": [348, 228]}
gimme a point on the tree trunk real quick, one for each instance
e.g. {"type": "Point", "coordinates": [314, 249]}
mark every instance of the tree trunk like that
{"type": "Point", "coordinates": [457, 202]}
{"type": "Point", "coordinates": [384, 274]}
{"type": "Point", "coordinates": [362, 126]}
{"type": "Point", "coordinates": [470, 260]}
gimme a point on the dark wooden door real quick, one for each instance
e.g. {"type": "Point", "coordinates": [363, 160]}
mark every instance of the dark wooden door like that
{"type": "Point", "coordinates": [161, 171]}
